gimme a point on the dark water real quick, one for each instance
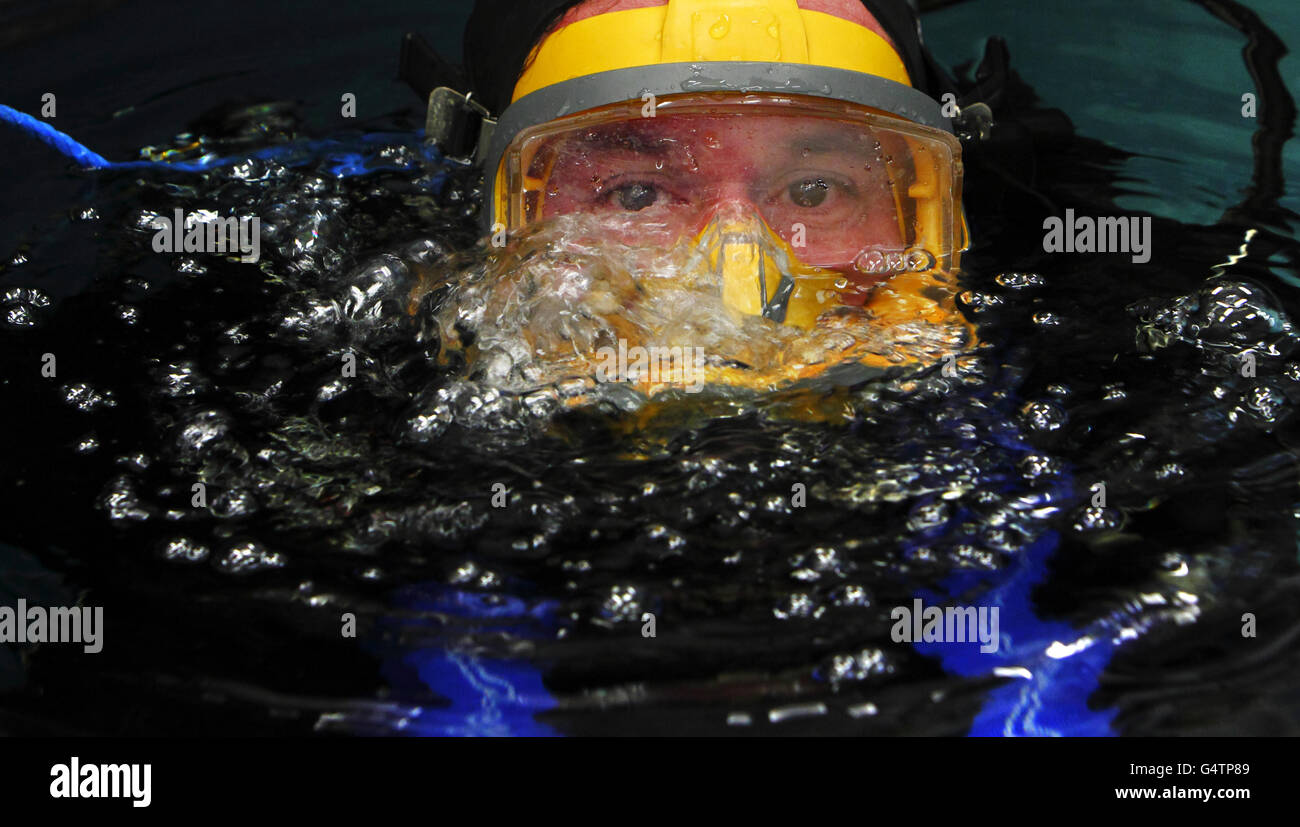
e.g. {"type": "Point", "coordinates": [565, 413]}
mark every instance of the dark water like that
{"type": "Point", "coordinates": [374, 495]}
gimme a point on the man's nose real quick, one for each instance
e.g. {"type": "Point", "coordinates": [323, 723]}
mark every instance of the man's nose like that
{"type": "Point", "coordinates": [741, 250]}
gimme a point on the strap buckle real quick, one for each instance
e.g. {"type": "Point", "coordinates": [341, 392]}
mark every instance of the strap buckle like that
{"type": "Point", "coordinates": [461, 128]}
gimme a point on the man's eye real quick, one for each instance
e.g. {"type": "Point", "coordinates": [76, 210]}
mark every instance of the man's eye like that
{"type": "Point", "coordinates": [810, 192]}
{"type": "Point", "coordinates": [636, 196]}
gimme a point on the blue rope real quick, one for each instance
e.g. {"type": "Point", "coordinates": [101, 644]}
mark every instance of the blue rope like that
{"type": "Point", "coordinates": [53, 138]}
{"type": "Point", "coordinates": [346, 162]}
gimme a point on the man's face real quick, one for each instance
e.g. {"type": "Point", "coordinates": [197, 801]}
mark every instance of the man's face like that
{"type": "Point", "coordinates": [823, 186]}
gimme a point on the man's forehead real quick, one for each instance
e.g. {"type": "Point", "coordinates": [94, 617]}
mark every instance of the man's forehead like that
{"type": "Point", "coordinates": [662, 135]}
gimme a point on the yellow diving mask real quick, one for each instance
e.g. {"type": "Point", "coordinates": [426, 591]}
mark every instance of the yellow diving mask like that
{"type": "Point", "coordinates": [852, 196]}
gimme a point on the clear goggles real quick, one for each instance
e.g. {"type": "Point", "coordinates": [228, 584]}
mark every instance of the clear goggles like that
{"type": "Point", "coordinates": [846, 187]}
